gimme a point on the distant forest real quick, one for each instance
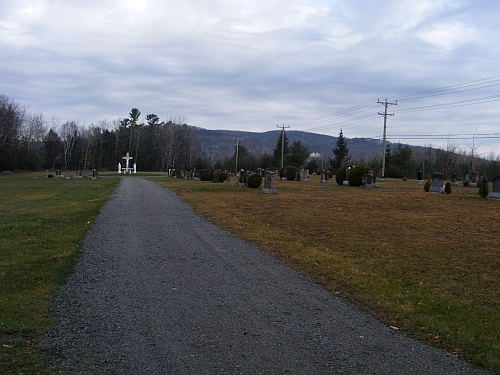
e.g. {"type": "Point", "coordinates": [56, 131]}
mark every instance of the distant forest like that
{"type": "Point", "coordinates": [33, 142]}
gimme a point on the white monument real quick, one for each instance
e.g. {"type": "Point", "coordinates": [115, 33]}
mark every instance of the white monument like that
{"type": "Point", "coordinates": [127, 169]}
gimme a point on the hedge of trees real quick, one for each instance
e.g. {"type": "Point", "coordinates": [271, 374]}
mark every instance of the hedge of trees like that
{"type": "Point", "coordinates": [33, 142]}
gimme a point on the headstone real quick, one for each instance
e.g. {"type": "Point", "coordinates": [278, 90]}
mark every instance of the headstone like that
{"type": "Point", "coordinates": [229, 179]}
{"type": "Point", "coordinates": [94, 174]}
{"type": "Point", "coordinates": [67, 177]}
{"type": "Point", "coordinates": [404, 180]}
{"type": "Point", "coordinates": [369, 179]}
{"type": "Point", "coordinates": [324, 177]}
{"type": "Point", "coordinates": [270, 183]}
{"type": "Point", "coordinates": [363, 180]}
{"type": "Point", "coordinates": [495, 189]}
{"type": "Point", "coordinates": [370, 183]}
{"type": "Point", "coordinates": [453, 181]}
{"type": "Point", "coordinates": [437, 183]}
{"type": "Point", "coordinates": [284, 177]}
{"type": "Point", "coordinates": [304, 175]}
{"type": "Point", "coordinates": [420, 177]}
{"type": "Point", "coordinates": [346, 176]}
{"type": "Point", "coordinates": [380, 177]}
{"type": "Point", "coordinates": [47, 173]}
{"type": "Point", "coordinates": [467, 178]}
{"type": "Point", "coordinates": [241, 179]}
{"type": "Point", "coordinates": [58, 173]}
{"type": "Point", "coordinates": [119, 168]}
{"type": "Point", "coordinates": [474, 180]}
{"type": "Point", "coordinates": [35, 178]}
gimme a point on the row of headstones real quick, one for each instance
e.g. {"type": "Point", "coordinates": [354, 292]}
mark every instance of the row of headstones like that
{"type": "Point", "coordinates": [438, 179]}
{"type": "Point", "coordinates": [76, 174]}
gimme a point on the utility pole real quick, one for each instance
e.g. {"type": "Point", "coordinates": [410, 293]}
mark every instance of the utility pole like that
{"type": "Point", "coordinates": [237, 149]}
{"type": "Point", "coordinates": [385, 114]}
{"type": "Point", "coordinates": [282, 141]}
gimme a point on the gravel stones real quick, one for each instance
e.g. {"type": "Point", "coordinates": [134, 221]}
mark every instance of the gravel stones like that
{"type": "Point", "coordinates": [159, 290]}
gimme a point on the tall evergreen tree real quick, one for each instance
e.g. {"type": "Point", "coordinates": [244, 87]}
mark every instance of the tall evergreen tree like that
{"type": "Point", "coordinates": [341, 152]}
{"type": "Point", "coordinates": [298, 154]}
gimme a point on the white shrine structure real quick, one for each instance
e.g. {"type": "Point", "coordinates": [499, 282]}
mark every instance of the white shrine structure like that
{"type": "Point", "coordinates": [127, 168]}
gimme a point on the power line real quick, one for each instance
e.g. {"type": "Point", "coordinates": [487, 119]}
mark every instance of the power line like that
{"type": "Point", "coordinates": [459, 103]}
{"type": "Point", "coordinates": [450, 89]}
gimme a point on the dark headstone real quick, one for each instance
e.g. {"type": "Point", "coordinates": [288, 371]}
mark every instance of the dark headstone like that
{"type": "Point", "coordinates": [420, 177]}
{"type": "Point", "coordinates": [495, 189]}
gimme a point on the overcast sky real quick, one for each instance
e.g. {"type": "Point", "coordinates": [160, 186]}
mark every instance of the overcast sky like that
{"type": "Point", "coordinates": [315, 66]}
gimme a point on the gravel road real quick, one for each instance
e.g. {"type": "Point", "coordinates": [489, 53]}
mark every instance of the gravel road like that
{"type": "Point", "coordinates": [160, 290]}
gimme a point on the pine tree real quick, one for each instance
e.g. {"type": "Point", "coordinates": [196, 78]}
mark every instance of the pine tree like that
{"type": "Point", "coordinates": [341, 152]}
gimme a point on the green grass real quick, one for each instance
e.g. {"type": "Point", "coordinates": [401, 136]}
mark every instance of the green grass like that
{"type": "Point", "coordinates": [42, 224]}
{"type": "Point", "coordinates": [424, 263]}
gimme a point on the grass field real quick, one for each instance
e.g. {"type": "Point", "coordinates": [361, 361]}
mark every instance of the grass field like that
{"type": "Point", "coordinates": [424, 263]}
{"type": "Point", "coordinates": [42, 224]}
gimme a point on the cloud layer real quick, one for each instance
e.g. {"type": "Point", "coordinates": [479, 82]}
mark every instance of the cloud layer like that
{"type": "Point", "coordinates": [251, 65]}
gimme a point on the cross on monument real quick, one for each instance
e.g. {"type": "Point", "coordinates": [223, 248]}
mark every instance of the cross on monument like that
{"type": "Point", "coordinates": [127, 160]}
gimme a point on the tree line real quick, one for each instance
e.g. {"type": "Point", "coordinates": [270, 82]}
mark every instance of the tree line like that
{"type": "Point", "coordinates": [33, 142]}
{"type": "Point", "coordinates": [405, 161]}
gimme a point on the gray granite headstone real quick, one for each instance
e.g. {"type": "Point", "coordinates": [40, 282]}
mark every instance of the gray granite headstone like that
{"type": "Point", "coordinates": [437, 183]}
{"type": "Point", "coordinates": [305, 175]}
{"type": "Point", "coordinates": [495, 189]}
{"type": "Point", "coordinates": [453, 181]}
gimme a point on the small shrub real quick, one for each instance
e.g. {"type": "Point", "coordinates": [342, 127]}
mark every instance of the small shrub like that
{"type": "Point", "coordinates": [254, 181]}
{"type": "Point", "coordinates": [206, 175]}
{"type": "Point", "coordinates": [427, 186]}
{"type": "Point", "coordinates": [289, 172]}
{"type": "Point", "coordinates": [50, 176]}
{"type": "Point", "coordinates": [339, 176]}
{"type": "Point", "coordinates": [447, 188]}
{"type": "Point", "coordinates": [221, 176]}
{"type": "Point", "coordinates": [356, 175]}
{"type": "Point", "coordinates": [483, 188]}
{"type": "Point", "coordinates": [466, 183]}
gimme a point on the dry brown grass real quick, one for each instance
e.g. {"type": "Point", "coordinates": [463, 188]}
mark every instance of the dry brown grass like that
{"type": "Point", "coordinates": [426, 263]}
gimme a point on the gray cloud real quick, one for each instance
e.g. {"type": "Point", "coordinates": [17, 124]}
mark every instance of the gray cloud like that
{"type": "Point", "coordinates": [249, 66]}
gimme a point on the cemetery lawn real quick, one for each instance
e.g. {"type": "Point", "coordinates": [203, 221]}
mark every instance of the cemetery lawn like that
{"type": "Point", "coordinates": [426, 264]}
{"type": "Point", "coordinates": [42, 224]}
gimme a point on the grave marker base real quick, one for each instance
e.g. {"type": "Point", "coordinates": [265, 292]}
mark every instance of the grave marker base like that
{"type": "Point", "coordinates": [269, 191]}
{"type": "Point", "coordinates": [437, 189]}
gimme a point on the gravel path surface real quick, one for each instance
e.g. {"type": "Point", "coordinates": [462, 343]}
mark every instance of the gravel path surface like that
{"type": "Point", "coordinates": [160, 290]}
